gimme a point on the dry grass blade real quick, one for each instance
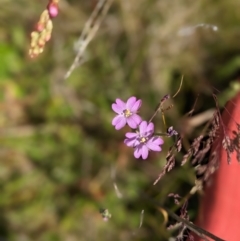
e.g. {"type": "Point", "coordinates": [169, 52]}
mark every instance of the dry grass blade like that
{"type": "Point", "coordinates": [89, 32]}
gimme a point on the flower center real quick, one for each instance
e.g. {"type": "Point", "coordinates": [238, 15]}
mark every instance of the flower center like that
{"type": "Point", "coordinates": [127, 113]}
{"type": "Point", "coordinates": [143, 139]}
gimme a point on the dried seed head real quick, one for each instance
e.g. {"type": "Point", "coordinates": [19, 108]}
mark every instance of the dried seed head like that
{"type": "Point", "coordinates": [43, 29]}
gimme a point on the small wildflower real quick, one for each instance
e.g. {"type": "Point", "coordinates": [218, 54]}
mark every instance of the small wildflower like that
{"type": "Point", "coordinates": [127, 113]}
{"type": "Point", "coordinates": [143, 140]}
{"type": "Point", "coordinates": [171, 132]}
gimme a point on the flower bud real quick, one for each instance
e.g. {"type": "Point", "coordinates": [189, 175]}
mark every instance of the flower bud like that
{"type": "Point", "coordinates": [52, 9]}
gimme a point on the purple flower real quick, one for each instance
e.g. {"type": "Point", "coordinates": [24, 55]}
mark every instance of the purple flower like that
{"type": "Point", "coordinates": [143, 140]}
{"type": "Point", "coordinates": [126, 113]}
{"type": "Point", "coordinates": [171, 131]}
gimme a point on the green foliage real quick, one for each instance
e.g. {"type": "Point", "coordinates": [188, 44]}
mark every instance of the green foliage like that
{"type": "Point", "coordinates": [60, 157]}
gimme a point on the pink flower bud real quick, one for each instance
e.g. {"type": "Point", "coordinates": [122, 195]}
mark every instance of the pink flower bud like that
{"type": "Point", "coordinates": [52, 10]}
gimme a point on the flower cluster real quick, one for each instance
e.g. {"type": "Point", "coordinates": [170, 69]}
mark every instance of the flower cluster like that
{"type": "Point", "coordinates": [43, 29]}
{"type": "Point", "coordinates": [142, 139]}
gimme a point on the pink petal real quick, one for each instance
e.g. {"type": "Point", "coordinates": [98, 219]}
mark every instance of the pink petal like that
{"type": "Point", "coordinates": [137, 118]}
{"type": "Point", "coordinates": [153, 147]}
{"type": "Point", "coordinates": [121, 104]}
{"type": "Point", "coordinates": [144, 152]}
{"type": "Point", "coordinates": [137, 152]}
{"type": "Point", "coordinates": [133, 121]}
{"type": "Point", "coordinates": [130, 102]}
{"type": "Point", "coordinates": [150, 128]}
{"type": "Point", "coordinates": [116, 119]}
{"type": "Point", "coordinates": [130, 142]}
{"type": "Point", "coordinates": [136, 106]}
{"type": "Point", "coordinates": [119, 122]}
{"type": "Point", "coordinates": [143, 127]}
{"type": "Point", "coordinates": [116, 108]}
{"type": "Point", "coordinates": [156, 140]}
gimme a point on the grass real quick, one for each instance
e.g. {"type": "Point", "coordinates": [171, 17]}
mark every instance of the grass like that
{"type": "Point", "coordinates": [58, 148]}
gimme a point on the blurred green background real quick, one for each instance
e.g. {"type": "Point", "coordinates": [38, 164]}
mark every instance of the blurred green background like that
{"type": "Point", "coordinates": [60, 157]}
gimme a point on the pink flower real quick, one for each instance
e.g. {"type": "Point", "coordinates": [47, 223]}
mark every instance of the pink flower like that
{"type": "Point", "coordinates": [126, 113]}
{"type": "Point", "coordinates": [143, 140]}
